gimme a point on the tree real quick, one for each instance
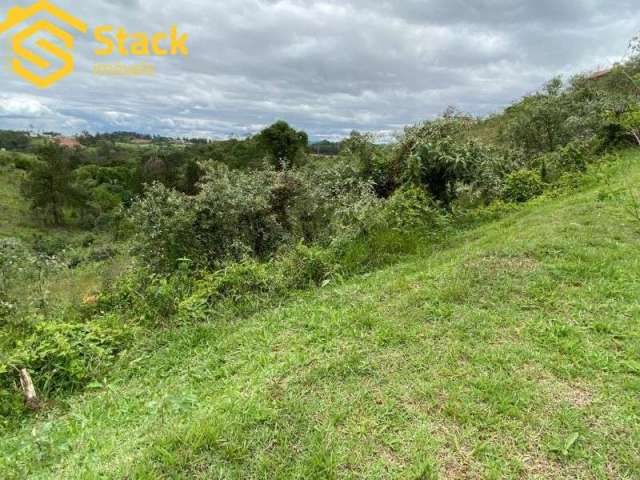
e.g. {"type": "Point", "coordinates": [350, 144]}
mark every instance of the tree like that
{"type": "Point", "coordinates": [14, 140]}
{"type": "Point", "coordinates": [538, 123]}
{"type": "Point", "coordinates": [437, 156]}
{"type": "Point", "coordinates": [634, 47]}
{"type": "Point", "coordinates": [48, 185]}
{"type": "Point", "coordinates": [373, 163]}
{"type": "Point", "coordinates": [630, 122]}
{"type": "Point", "coordinates": [283, 144]}
{"type": "Point", "coordinates": [191, 175]}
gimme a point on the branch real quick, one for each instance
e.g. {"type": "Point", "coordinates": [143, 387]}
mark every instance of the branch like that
{"type": "Point", "coordinates": [30, 396]}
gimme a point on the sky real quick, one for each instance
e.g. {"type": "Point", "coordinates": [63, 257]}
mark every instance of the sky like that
{"type": "Point", "coordinates": [327, 67]}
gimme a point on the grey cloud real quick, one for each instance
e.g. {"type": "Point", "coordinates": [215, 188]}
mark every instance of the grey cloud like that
{"type": "Point", "coordinates": [327, 66]}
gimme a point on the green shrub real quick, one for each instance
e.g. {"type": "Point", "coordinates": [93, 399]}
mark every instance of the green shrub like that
{"type": "Point", "coordinates": [240, 279]}
{"type": "Point", "coordinates": [411, 208]}
{"type": "Point", "coordinates": [232, 284]}
{"type": "Point", "coordinates": [443, 157]}
{"type": "Point", "coordinates": [568, 181]}
{"type": "Point", "coordinates": [102, 253]}
{"type": "Point", "coordinates": [66, 355]}
{"type": "Point", "coordinates": [523, 185]}
{"type": "Point", "coordinates": [49, 245]}
{"type": "Point", "coordinates": [6, 159]}
{"type": "Point", "coordinates": [163, 220]}
{"type": "Point", "coordinates": [145, 297]}
{"type": "Point", "coordinates": [307, 266]}
{"type": "Point", "coordinates": [24, 162]}
{"type": "Point", "coordinates": [238, 215]}
{"type": "Point", "coordinates": [571, 158]}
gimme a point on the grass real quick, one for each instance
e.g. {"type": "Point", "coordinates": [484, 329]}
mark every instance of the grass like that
{"type": "Point", "coordinates": [63, 285]}
{"type": "Point", "coordinates": [512, 353]}
{"type": "Point", "coordinates": [14, 209]}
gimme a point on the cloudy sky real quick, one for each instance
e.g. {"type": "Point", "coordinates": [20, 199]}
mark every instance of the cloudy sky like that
{"type": "Point", "coordinates": [327, 66]}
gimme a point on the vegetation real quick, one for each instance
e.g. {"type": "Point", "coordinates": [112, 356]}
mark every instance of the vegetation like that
{"type": "Point", "coordinates": [283, 144]}
{"type": "Point", "coordinates": [508, 333]}
{"type": "Point", "coordinates": [459, 302]}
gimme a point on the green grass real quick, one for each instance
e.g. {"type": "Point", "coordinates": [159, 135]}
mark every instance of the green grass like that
{"type": "Point", "coordinates": [14, 209]}
{"type": "Point", "coordinates": [63, 285]}
{"type": "Point", "coordinates": [512, 353]}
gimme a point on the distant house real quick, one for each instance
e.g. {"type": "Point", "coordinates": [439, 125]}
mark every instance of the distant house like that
{"type": "Point", "coordinates": [600, 74]}
{"type": "Point", "coordinates": [141, 141]}
{"type": "Point", "coordinates": [68, 142]}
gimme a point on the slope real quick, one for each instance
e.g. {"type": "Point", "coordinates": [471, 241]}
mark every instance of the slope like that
{"type": "Point", "coordinates": [513, 352]}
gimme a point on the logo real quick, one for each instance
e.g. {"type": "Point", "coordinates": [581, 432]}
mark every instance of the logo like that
{"type": "Point", "coordinates": [17, 16]}
{"type": "Point", "coordinates": [38, 70]}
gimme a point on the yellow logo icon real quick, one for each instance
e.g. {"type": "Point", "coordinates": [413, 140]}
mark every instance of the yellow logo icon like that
{"type": "Point", "coordinates": [18, 15]}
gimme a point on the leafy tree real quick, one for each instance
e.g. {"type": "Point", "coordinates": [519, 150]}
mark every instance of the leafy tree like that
{"type": "Point", "coordinates": [630, 122]}
{"type": "Point", "coordinates": [283, 144]}
{"type": "Point", "coordinates": [48, 185]}
{"type": "Point", "coordinates": [537, 123]}
{"type": "Point", "coordinates": [11, 140]}
{"type": "Point", "coordinates": [622, 120]}
{"type": "Point", "coordinates": [191, 175]}
{"type": "Point", "coordinates": [373, 162]}
{"type": "Point", "coordinates": [436, 156]}
{"type": "Point", "coordinates": [523, 185]}
{"type": "Point", "coordinates": [634, 47]}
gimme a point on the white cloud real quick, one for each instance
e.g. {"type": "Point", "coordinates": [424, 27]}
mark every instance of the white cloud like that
{"type": "Point", "coordinates": [327, 66]}
{"type": "Point", "coordinates": [22, 106]}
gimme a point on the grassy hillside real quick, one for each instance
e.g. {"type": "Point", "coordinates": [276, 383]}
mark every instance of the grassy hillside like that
{"type": "Point", "coordinates": [512, 352]}
{"type": "Point", "coordinates": [14, 209]}
{"type": "Point", "coordinates": [84, 262]}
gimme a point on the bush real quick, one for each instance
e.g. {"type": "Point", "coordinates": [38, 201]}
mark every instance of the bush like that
{"type": "Point", "coordinates": [24, 162]}
{"type": "Point", "coordinates": [411, 208]}
{"type": "Point", "coordinates": [284, 145]}
{"type": "Point", "coordinates": [523, 185]}
{"type": "Point", "coordinates": [102, 253]}
{"type": "Point", "coordinates": [235, 283]}
{"type": "Point", "coordinates": [439, 156]}
{"type": "Point", "coordinates": [164, 221]}
{"type": "Point", "coordinates": [49, 245]}
{"type": "Point", "coordinates": [19, 266]}
{"type": "Point", "coordinates": [305, 267]}
{"type": "Point", "coordinates": [6, 159]}
{"type": "Point", "coordinates": [239, 215]}
{"type": "Point", "coordinates": [66, 355]}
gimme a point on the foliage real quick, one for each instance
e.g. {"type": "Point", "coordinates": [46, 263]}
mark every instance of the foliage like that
{"type": "Point", "coordinates": [163, 220]}
{"type": "Point", "coordinates": [411, 208]}
{"type": "Point", "coordinates": [283, 144]}
{"type": "Point", "coordinates": [66, 355]}
{"type": "Point", "coordinates": [537, 124]}
{"type": "Point", "coordinates": [11, 140]}
{"type": "Point", "coordinates": [307, 266]}
{"type": "Point", "coordinates": [373, 161]}
{"type": "Point", "coordinates": [239, 214]}
{"type": "Point", "coordinates": [15, 259]}
{"type": "Point", "coordinates": [629, 121]}
{"type": "Point", "coordinates": [570, 159]}
{"type": "Point", "coordinates": [559, 114]}
{"type": "Point", "coordinates": [48, 186]}
{"type": "Point", "coordinates": [523, 185]}
{"type": "Point", "coordinates": [436, 156]}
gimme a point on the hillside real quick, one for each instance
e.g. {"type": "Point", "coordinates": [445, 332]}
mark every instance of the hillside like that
{"type": "Point", "coordinates": [14, 210]}
{"type": "Point", "coordinates": [85, 260]}
{"type": "Point", "coordinates": [512, 352]}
